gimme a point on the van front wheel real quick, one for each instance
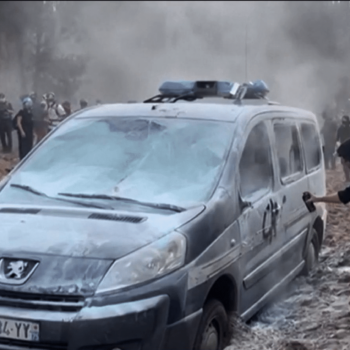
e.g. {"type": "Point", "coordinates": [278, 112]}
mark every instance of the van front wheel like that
{"type": "Point", "coordinates": [213, 329]}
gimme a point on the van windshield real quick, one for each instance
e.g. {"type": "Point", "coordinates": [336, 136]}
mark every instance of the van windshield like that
{"type": "Point", "coordinates": [175, 161]}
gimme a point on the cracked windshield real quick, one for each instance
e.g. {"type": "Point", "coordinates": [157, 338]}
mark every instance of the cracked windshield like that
{"type": "Point", "coordinates": [159, 161]}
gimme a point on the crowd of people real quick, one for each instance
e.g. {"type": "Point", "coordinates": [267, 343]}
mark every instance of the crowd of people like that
{"type": "Point", "coordinates": [33, 121]}
{"type": "Point", "coordinates": [38, 117]}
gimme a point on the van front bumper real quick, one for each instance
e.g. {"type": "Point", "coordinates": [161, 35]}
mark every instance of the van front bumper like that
{"type": "Point", "coordinates": [137, 325]}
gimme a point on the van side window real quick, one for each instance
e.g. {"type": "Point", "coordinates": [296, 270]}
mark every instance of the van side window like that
{"type": "Point", "coordinates": [255, 166]}
{"type": "Point", "coordinates": [288, 149]}
{"type": "Point", "coordinates": [312, 145]}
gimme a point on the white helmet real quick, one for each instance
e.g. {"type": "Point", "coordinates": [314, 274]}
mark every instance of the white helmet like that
{"type": "Point", "coordinates": [27, 102]}
{"type": "Point", "coordinates": [49, 96]}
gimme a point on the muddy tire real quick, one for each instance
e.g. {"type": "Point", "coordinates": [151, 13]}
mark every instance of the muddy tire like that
{"type": "Point", "coordinates": [311, 258]}
{"type": "Point", "coordinates": [213, 330]}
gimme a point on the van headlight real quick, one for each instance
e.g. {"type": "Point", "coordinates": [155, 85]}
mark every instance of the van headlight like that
{"type": "Point", "coordinates": [150, 262]}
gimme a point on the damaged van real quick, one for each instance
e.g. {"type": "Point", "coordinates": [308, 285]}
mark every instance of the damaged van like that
{"type": "Point", "coordinates": [145, 226]}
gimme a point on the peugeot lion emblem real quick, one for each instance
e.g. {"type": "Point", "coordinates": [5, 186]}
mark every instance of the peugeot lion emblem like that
{"type": "Point", "coordinates": [16, 271]}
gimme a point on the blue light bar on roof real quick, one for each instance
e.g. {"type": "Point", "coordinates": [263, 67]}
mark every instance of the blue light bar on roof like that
{"type": "Point", "coordinates": [261, 87]}
{"type": "Point", "coordinates": [197, 88]}
{"type": "Point", "coordinates": [257, 88]}
{"type": "Point", "coordinates": [177, 88]}
{"type": "Point", "coordinates": [226, 89]}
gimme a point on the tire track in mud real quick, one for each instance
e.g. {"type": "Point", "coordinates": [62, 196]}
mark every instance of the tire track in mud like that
{"type": "Point", "coordinates": [314, 312]}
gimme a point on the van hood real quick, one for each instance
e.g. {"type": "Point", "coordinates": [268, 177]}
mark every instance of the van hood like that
{"type": "Point", "coordinates": [77, 244]}
{"type": "Point", "coordinates": [98, 234]}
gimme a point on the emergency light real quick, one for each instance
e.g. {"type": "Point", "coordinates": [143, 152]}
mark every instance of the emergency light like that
{"type": "Point", "coordinates": [192, 90]}
{"type": "Point", "coordinates": [198, 88]}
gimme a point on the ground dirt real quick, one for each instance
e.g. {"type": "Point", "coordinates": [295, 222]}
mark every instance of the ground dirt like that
{"type": "Point", "coordinates": [315, 313]}
{"type": "Point", "coordinates": [7, 162]}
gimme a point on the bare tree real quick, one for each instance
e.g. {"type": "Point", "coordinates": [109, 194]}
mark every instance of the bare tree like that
{"type": "Point", "coordinates": [31, 38]}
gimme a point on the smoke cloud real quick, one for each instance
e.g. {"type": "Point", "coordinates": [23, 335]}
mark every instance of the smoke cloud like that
{"type": "Point", "coordinates": [299, 48]}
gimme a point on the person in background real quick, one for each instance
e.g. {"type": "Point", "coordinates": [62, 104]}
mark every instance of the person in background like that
{"type": "Point", "coordinates": [40, 118]}
{"type": "Point", "coordinates": [24, 125]}
{"type": "Point", "coordinates": [343, 134]}
{"type": "Point", "coordinates": [329, 133]}
{"type": "Point", "coordinates": [67, 108]}
{"type": "Point", "coordinates": [343, 196]}
{"type": "Point", "coordinates": [83, 103]}
{"type": "Point", "coordinates": [6, 112]}
{"type": "Point", "coordinates": [55, 111]}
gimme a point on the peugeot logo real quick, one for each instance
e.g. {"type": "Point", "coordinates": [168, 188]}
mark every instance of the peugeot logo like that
{"type": "Point", "coordinates": [16, 271]}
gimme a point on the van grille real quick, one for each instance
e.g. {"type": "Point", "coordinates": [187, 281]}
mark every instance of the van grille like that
{"type": "Point", "coordinates": [41, 302]}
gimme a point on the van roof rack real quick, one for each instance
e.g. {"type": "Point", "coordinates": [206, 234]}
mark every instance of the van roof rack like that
{"type": "Point", "coordinates": [173, 91]}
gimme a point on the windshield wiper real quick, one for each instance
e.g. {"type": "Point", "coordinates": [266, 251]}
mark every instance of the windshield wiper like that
{"type": "Point", "coordinates": [129, 200]}
{"type": "Point", "coordinates": [38, 193]}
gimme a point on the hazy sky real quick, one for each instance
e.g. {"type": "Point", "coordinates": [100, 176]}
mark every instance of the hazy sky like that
{"type": "Point", "coordinates": [299, 50]}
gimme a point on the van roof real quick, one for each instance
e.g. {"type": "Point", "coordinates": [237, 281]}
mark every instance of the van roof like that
{"type": "Point", "coordinates": [192, 110]}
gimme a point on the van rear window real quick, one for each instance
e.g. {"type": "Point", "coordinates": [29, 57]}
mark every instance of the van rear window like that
{"type": "Point", "coordinates": [312, 146]}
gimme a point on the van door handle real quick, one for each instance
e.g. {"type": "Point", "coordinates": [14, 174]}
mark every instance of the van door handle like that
{"type": "Point", "coordinates": [268, 208]}
{"type": "Point", "coordinates": [277, 208]}
{"type": "Point", "coordinates": [266, 231]}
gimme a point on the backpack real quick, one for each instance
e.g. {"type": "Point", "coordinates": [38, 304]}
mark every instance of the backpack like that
{"type": "Point", "coordinates": [60, 116]}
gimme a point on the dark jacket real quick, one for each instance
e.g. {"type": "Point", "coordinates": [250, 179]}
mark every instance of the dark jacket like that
{"type": "Point", "coordinates": [343, 133]}
{"type": "Point", "coordinates": [39, 113]}
{"type": "Point", "coordinates": [5, 110]}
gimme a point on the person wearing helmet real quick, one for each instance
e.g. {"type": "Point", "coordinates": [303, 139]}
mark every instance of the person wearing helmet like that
{"type": "Point", "coordinates": [83, 103]}
{"type": "Point", "coordinates": [343, 135]}
{"type": "Point", "coordinates": [6, 112]}
{"type": "Point", "coordinates": [67, 108]}
{"type": "Point", "coordinates": [40, 123]}
{"type": "Point", "coordinates": [55, 111]}
{"type": "Point", "coordinates": [24, 125]}
{"type": "Point", "coordinates": [33, 96]}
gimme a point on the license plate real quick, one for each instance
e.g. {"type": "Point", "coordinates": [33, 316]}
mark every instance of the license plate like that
{"type": "Point", "coordinates": [20, 330]}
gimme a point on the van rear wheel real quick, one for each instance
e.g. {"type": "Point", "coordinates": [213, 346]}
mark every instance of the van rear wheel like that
{"type": "Point", "coordinates": [213, 329]}
{"type": "Point", "coordinates": [311, 255]}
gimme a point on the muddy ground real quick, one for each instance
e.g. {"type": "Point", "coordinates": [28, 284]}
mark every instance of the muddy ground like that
{"type": "Point", "coordinates": [314, 314]}
{"type": "Point", "coordinates": [7, 161]}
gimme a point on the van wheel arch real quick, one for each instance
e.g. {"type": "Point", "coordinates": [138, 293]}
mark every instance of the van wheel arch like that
{"type": "Point", "coordinates": [224, 289]}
